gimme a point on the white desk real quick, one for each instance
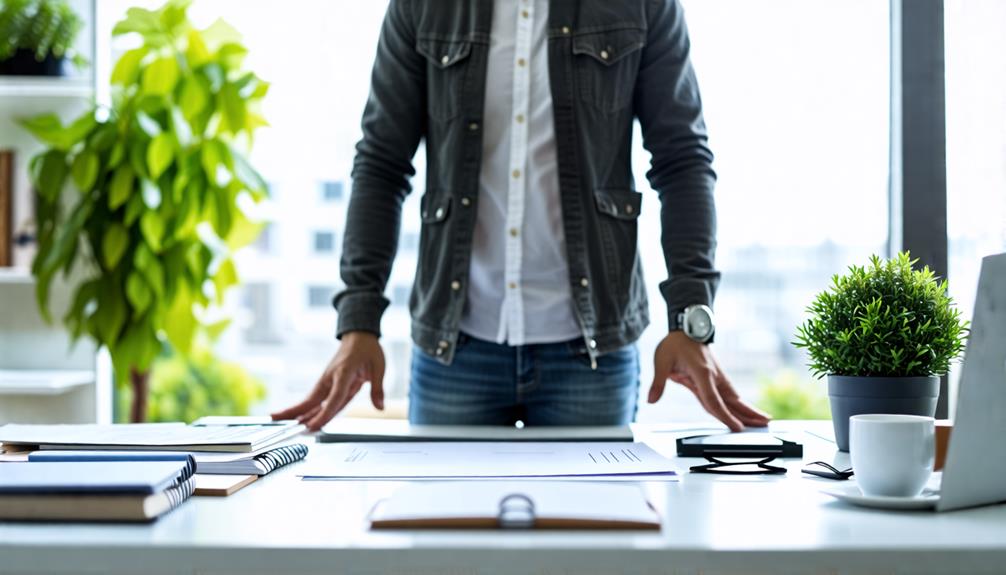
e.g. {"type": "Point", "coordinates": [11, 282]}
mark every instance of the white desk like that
{"type": "Point", "coordinates": [711, 525]}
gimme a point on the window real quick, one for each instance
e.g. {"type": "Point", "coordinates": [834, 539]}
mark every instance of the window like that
{"type": "Point", "coordinates": [331, 191]}
{"type": "Point", "coordinates": [320, 296]}
{"type": "Point", "coordinates": [798, 121]}
{"type": "Point", "coordinates": [324, 242]}
{"type": "Point", "coordinates": [976, 144]}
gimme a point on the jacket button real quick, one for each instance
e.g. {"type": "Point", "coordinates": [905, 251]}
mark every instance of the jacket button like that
{"type": "Point", "coordinates": [584, 282]}
{"type": "Point", "coordinates": [440, 213]}
{"type": "Point", "coordinates": [444, 344]}
{"type": "Point", "coordinates": [629, 209]}
{"type": "Point", "coordinates": [439, 351]}
{"type": "Point", "coordinates": [455, 285]}
{"type": "Point", "coordinates": [474, 126]}
{"type": "Point", "coordinates": [445, 59]}
{"type": "Point", "coordinates": [466, 201]}
{"type": "Point", "coordinates": [604, 55]}
{"type": "Point", "coordinates": [565, 29]}
{"type": "Point", "coordinates": [592, 344]}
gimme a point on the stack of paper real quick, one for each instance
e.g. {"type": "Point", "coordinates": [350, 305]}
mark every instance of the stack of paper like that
{"type": "Point", "coordinates": [150, 436]}
{"type": "Point", "coordinates": [532, 460]}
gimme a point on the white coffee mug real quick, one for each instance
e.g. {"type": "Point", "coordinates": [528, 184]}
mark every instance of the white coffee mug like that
{"type": "Point", "coordinates": [892, 455]}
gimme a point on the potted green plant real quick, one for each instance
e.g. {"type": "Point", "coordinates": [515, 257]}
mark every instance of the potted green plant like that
{"type": "Point", "coordinates": [37, 37]}
{"type": "Point", "coordinates": [883, 334]}
{"type": "Point", "coordinates": [159, 183]}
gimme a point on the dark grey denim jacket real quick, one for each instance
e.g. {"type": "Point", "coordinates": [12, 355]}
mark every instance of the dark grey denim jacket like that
{"type": "Point", "coordinates": [610, 62]}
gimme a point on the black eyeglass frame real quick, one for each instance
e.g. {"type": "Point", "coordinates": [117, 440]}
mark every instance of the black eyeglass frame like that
{"type": "Point", "coordinates": [716, 466]}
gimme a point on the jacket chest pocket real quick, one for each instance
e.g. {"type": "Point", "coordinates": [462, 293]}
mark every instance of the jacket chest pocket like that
{"type": "Point", "coordinates": [606, 64]}
{"type": "Point", "coordinates": [446, 71]}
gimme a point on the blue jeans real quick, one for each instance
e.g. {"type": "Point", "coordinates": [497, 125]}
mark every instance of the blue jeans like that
{"type": "Point", "coordinates": [538, 384]}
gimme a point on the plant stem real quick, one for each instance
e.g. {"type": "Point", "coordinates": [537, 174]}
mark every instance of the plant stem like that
{"type": "Point", "coordinates": [138, 408]}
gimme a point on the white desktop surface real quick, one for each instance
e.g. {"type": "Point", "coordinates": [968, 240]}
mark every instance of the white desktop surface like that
{"type": "Point", "coordinates": [712, 524]}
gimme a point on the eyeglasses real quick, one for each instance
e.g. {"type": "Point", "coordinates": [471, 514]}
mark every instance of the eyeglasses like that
{"type": "Point", "coordinates": [829, 471]}
{"type": "Point", "coordinates": [761, 467]}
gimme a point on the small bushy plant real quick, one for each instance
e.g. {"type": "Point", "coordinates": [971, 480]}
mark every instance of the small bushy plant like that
{"type": "Point", "coordinates": [885, 319]}
{"type": "Point", "coordinates": [43, 27]}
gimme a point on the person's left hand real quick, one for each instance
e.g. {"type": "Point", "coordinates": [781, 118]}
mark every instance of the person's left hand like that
{"type": "Point", "coordinates": [690, 363]}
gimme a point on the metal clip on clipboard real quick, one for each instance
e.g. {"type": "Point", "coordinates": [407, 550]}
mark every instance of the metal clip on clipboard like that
{"type": "Point", "coordinates": [516, 511]}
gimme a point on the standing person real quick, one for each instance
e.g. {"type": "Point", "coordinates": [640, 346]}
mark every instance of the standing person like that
{"type": "Point", "coordinates": [529, 294]}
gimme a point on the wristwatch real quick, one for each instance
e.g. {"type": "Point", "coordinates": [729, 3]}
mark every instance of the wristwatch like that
{"type": "Point", "coordinates": [698, 323]}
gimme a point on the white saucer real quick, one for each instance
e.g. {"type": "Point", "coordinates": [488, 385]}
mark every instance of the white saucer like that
{"type": "Point", "coordinates": [851, 494]}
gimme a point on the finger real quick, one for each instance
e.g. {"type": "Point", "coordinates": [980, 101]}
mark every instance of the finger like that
{"type": "Point", "coordinates": [656, 388]}
{"type": "Point", "coordinates": [746, 413]}
{"type": "Point", "coordinates": [340, 385]}
{"type": "Point", "coordinates": [713, 403]}
{"type": "Point", "coordinates": [310, 414]}
{"type": "Point", "coordinates": [377, 386]}
{"type": "Point", "coordinates": [313, 400]}
{"type": "Point", "coordinates": [354, 387]}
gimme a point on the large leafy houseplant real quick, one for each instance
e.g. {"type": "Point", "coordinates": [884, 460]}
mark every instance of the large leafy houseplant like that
{"type": "Point", "coordinates": [159, 183]}
{"type": "Point", "coordinates": [883, 334]}
{"type": "Point", "coordinates": [36, 35]}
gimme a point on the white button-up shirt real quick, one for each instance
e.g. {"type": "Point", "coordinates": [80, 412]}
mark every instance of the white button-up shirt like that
{"type": "Point", "coordinates": [518, 289]}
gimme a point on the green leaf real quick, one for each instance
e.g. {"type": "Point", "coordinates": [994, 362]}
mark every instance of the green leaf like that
{"type": "Point", "coordinates": [196, 51]}
{"type": "Point", "coordinates": [51, 176]}
{"type": "Point", "coordinates": [182, 327]}
{"type": "Point", "coordinates": [138, 293]}
{"type": "Point", "coordinates": [151, 268]}
{"type": "Point", "coordinates": [234, 109]}
{"type": "Point", "coordinates": [232, 55]}
{"type": "Point", "coordinates": [48, 128]}
{"type": "Point", "coordinates": [121, 187]}
{"type": "Point", "coordinates": [134, 209]}
{"type": "Point", "coordinates": [110, 315]}
{"type": "Point", "coordinates": [160, 154]}
{"type": "Point", "coordinates": [160, 77]}
{"type": "Point", "coordinates": [226, 276]}
{"type": "Point", "coordinates": [114, 244]}
{"type": "Point", "coordinates": [127, 69]}
{"type": "Point", "coordinates": [194, 98]}
{"type": "Point", "coordinates": [152, 227]}
{"type": "Point", "coordinates": [214, 161]}
{"type": "Point", "coordinates": [218, 34]}
{"type": "Point", "coordinates": [85, 170]}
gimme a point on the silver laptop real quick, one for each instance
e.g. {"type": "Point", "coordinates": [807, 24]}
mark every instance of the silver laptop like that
{"type": "Point", "coordinates": [975, 470]}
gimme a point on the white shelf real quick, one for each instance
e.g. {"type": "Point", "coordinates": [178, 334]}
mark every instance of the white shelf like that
{"type": "Point", "coordinates": [36, 382]}
{"type": "Point", "coordinates": [16, 276]}
{"type": "Point", "coordinates": [45, 87]}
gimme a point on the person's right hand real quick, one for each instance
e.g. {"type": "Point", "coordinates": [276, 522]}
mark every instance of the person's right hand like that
{"type": "Point", "coordinates": [360, 359]}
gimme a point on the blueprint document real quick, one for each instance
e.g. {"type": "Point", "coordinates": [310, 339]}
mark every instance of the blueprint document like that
{"type": "Point", "coordinates": [482, 460]}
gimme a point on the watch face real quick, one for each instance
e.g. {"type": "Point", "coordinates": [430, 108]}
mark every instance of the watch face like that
{"type": "Point", "coordinates": [698, 323]}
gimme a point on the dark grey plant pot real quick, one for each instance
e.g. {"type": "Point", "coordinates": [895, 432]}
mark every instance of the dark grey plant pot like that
{"type": "Point", "coordinates": [860, 395]}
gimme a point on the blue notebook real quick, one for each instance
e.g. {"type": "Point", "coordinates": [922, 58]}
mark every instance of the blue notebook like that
{"type": "Point", "coordinates": [109, 477]}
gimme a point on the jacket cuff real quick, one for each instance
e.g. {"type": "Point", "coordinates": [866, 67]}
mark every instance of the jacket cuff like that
{"type": "Point", "coordinates": [359, 312]}
{"type": "Point", "coordinates": [683, 292]}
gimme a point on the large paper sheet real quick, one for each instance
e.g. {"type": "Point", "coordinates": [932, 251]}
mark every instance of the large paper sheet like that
{"type": "Point", "coordinates": [439, 460]}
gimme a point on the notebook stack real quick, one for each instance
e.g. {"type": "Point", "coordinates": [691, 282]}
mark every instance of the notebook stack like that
{"type": "Point", "coordinates": [228, 453]}
{"type": "Point", "coordinates": [94, 491]}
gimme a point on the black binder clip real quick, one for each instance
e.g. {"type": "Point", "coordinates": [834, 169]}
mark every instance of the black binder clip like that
{"type": "Point", "coordinates": [516, 511]}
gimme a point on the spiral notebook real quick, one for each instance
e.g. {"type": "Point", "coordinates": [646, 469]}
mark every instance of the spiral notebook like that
{"type": "Point", "coordinates": [258, 463]}
{"type": "Point", "coordinates": [93, 490]}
